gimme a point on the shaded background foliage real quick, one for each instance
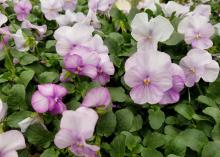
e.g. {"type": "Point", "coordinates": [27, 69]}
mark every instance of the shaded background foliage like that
{"type": "Point", "coordinates": [189, 128]}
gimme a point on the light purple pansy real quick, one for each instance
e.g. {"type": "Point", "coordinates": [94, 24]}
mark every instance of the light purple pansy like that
{"type": "Point", "coordinates": [3, 110]}
{"type": "Point", "coordinates": [69, 18]}
{"type": "Point", "coordinates": [13, 141]}
{"type": "Point", "coordinates": [173, 95]}
{"type": "Point", "coordinates": [105, 69]}
{"type": "Point", "coordinates": [97, 97]}
{"type": "Point", "coordinates": [201, 10]}
{"type": "Point", "coordinates": [41, 30]}
{"type": "Point", "coordinates": [149, 32]}
{"type": "Point", "coordinates": [69, 4]}
{"type": "Point", "coordinates": [48, 97]}
{"type": "Point", "coordinates": [22, 9]}
{"type": "Point", "coordinates": [68, 38]}
{"type": "Point", "coordinates": [148, 4]}
{"type": "Point", "coordinates": [199, 64]}
{"type": "Point", "coordinates": [51, 8]}
{"type": "Point", "coordinates": [75, 128]}
{"type": "Point", "coordinates": [174, 7]}
{"type": "Point", "coordinates": [82, 63]}
{"type": "Point", "coordinates": [100, 5]}
{"type": "Point", "coordinates": [146, 73]}
{"type": "Point", "coordinates": [197, 31]}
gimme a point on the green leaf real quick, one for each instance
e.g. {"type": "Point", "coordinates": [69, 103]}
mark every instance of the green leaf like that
{"type": "Point", "coordinates": [16, 99]}
{"type": "Point", "coordinates": [50, 44]}
{"type": "Point", "coordinates": [118, 146]}
{"type": "Point", "coordinates": [185, 109]}
{"type": "Point", "coordinates": [117, 37]}
{"type": "Point", "coordinates": [48, 77]}
{"type": "Point", "coordinates": [106, 124]}
{"type": "Point", "coordinates": [25, 77]}
{"type": "Point", "coordinates": [117, 94]}
{"type": "Point", "coordinates": [172, 155]}
{"type": "Point", "coordinates": [137, 123]}
{"type": "Point", "coordinates": [38, 136]}
{"type": "Point", "coordinates": [16, 117]}
{"type": "Point", "coordinates": [211, 149]}
{"type": "Point", "coordinates": [206, 100]}
{"type": "Point", "coordinates": [50, 153]}
{"type": "Point", "coordinates": [131, 141]}
{"type": "Point", "coordinates": [213, 112]}
{"type": "Point", "coordinates": [154, 140]}
{"type": "Point", "coordinates": [28, 59]}
{"type": "Point", "coordinates": [213, 91]}
{"type": "Point", "coordinates": [149, 152]}
{"type": "Point", "coordinates": [174, 39]}
{"type": "Point", "coordinates": [156, 118]}
{"type": "Point", "coordinates": [124, 119]}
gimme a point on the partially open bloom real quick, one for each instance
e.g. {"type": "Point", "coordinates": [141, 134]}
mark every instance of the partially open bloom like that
{"type": "Point", "coordinates": [97, 97]}
{"type": "Point", "coordinates": [24, 124]}
{"type": "Point", "coordinates": [148, 4]}
{"type": "Point", "coordinates": [3, 110]}
{"type": "Point", "coordinates": [148, 75]}
{"type": "Point", "coordinates": [173, 94]}
{"type": "Point", "coordinates": [105, 69]}
{"type": "Point", "coordinates": [149, 32]}
{"type": "Point", "coordinates": [199, 64]}
{"type": "Point", "coordinates": [51, 8]}
{"type": "Point", "coordinates": [22, 9]}
{"type": "Point", "coordinates": [70, 18]}
{"type": "Point", "coordinates": [48, 97]}
{"type": "Point", "coordinates": [11, 141]}
{"type": "Point", "coordinates": [20, 41]}
{"type": "Point", "coordinates": [123, 5]}
{"type": "Point", "coordinates": [75, 128]}
{"type": "Point", "coordinates": [5, 35]}
{"type": "Point", "coordinates": [100, 5]}
{"type": "Point", "coordinates": [173, 7]}
{"type": "Point", "coordinates": [41, 30]}
{"type": "Point", "coordinates": [69, 4]}
{"type": "Point", "coordinates": [70, 38]}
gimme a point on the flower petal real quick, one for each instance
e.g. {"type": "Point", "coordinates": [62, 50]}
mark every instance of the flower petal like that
{"type": "Point", "coordinates": [63, 139]}
{"type": "Point", "coordinates": [39, 102]}
{"type": "Point", "coordinates": [13, 140]}
{"type": "Point", "coordinates": [47, 90]}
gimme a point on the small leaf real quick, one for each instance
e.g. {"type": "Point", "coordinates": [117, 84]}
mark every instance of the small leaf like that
{"type": "Point", "coordinates": [206, 100]}
{"type": "Point", "coordinates": [156, 118]}
{"type": "Point", "coordinates": [37, 135]}
{"type": "Point", "coordinates": [211, 149]}
{"type": "Point", "coordinates": [118, 146]}
{"type": "Point", "coordinates": [117, 94]}
{"type": "Point", "coordinates": [149, 152]}
{"type": "Point", "coordinates": [213, 112]}
{"type": "Point", "coordinates": [28, 59]}
{"type": "Point", "coordinates": [186, 110]}
{"type": "Point", "coordinates": [124, 119]}
{"type": "Point", "coordinates": [50, 153]}
{"type": "Point", "coordinates": [26, 77]}
{"type": "Point", "coordinates": [48, 77]}
{"type": "Point", "coordinates": [106, 124]}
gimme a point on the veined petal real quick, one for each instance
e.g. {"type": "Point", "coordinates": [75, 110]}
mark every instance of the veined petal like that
{"type": "Point", "coordinates": [39, 102]}
{"type": "Point", "coordinates": [63, 139]}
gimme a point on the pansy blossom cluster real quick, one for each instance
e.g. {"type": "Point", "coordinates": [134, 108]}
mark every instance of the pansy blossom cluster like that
{"type": "Point", "coordinates": [147, 76]}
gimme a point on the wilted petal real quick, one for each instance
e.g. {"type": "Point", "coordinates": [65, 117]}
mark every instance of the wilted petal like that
{"type": "Point", "coordinates": [39, 102]}
{"type": "Point", "coordinates": [96, 97]}
{"type": "Point", "coordinates": [13, 140]}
